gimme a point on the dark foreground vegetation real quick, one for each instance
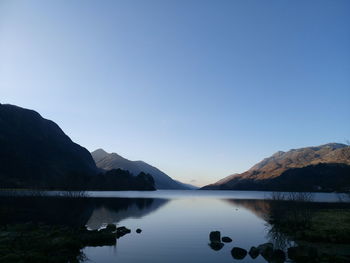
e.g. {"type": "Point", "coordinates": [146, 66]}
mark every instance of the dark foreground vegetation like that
{"type": "Point", "coordinates": [321, 233]}
{"type": "Point", "coordinates": [35, 243]}
{"type": "Point", "coordinates": [113, 180]}
{"type": "Point", "coordinates": [299, 230]}
{"type": "Point", "coordinates": [52, 229]}
{"type": "Point", "coordinates": [118, 179]}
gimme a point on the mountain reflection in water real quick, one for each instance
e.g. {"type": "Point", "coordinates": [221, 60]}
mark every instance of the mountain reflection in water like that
{"type": "Point", "coordinates": [174, 227]}
{"type": "Point", "coordinates": [110, 212]}
{"type": "Point", "coordinates": [90, 212]}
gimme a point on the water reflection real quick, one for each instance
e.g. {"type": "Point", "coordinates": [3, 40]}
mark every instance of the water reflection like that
{"type": "Point", "coordinates": [260, 208]}
{"type": "Point", "coordinates": [174, 229]}
{"type": "Point", "coordinates": [115, 210]}
{"type": "Point", "coordinates": [291, 230]}
{"type": "Point", "coordinates": [92, 212]}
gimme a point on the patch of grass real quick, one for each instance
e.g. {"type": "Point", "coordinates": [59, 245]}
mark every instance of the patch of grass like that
{"type": "Point", "coordinates": [329, 226]}
{"type": "Point", "coordinates": [326, 230]}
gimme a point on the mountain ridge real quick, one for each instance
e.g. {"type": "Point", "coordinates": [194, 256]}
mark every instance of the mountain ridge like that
{"type": "Point", "coordinates": [35, 152]}
{"type": "Point", "coordinates": [108, 161]}
{"type": "Point", "coordinates": [266, 174]}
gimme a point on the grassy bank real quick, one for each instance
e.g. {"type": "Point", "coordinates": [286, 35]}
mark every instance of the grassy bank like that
{"type": "Point", "coordinates": [42, 243]}
{"type": "Point", "coordinates": [324, 231]}
{"type": "Point", "coordinates": [328, 226]}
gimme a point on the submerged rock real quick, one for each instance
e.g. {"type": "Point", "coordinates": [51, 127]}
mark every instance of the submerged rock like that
{"type": "Point", "coordinates": [215, 240]}
{"type": "Point", "coordinates": [216, 245]}
{"type": "Point", "coordinates": [215, 236]}
{"type": "Point", "coordinates": [253, 252]}
{"type": "Point", "coordinates": [226, 239]}
{"type": "Point", "coordinates": [266, 251]}
{"type": "Point", "coordinates": [238, 253]}
{"type": "Point", "coordinates": [138, 231]}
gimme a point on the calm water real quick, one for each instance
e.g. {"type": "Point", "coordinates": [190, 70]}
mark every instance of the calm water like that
{"type": "Point", "coordinates": [175, 224]}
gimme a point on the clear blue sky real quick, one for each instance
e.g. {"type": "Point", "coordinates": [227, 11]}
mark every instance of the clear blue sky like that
{"type": "Point", "coordinates": [200, 89]}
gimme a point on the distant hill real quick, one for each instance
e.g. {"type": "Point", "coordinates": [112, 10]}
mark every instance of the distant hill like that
{"type": "Point", "coordinates": [320, 168]}
{"type": "Point", "coordinates": [108, 161]}
{"type": "Point", "coordinates": [36, 153]}
{"type": "Point", "coordinates": [188, 186]}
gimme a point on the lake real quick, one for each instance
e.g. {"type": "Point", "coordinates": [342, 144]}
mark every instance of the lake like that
{"type": "Point", "coordinates": [175, 224]}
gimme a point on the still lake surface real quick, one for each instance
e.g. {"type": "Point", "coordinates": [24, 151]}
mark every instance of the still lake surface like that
{"type": "Point", "coordinates": [175, 224]}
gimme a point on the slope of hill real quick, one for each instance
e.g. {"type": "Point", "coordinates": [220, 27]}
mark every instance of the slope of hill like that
{"type": "Point", "coordinates": [324, 167]}
{"type": "Point", "coordinates": [35, 152]}
{"type": "Point", "coordinates": [108, 161]}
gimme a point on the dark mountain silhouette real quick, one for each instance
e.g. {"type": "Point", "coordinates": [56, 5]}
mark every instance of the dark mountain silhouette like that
{"type": "Point", "coordinates": [108, 161]}
{"type": "Point", "coordinates": [321, 168]}
{"type": "Point", "coordinates": [36, 153]}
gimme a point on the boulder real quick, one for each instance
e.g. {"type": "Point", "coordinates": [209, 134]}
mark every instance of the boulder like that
{"type": "Point", "coordinates": [226, 239]}
{"type": "Point", "coordinates": [266, 251]}
{"type": "Point", "coordinates": [216, 245]}
{"type": "Point", "coordinates": [265, 246]}
{"type": "Point", "coordinates": [238, 253]}
{"type": "Point", "coordinates": [111, 228]}
{"type": "Point", "coordinates": [138, 231]}
{"type": "Point", "coordinates": [121, 231]}
{"type": "Point", "coordinates": [253, 252]}
{"type": "Point", "coordinates": [215, 236]}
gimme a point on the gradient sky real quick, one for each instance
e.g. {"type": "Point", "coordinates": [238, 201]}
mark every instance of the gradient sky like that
{"type": "Point", "coordinates": [200, 89]}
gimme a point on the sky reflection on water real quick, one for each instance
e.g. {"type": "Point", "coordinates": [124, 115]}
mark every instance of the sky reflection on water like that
{"type": "Point", "coordinates": [178, 231]}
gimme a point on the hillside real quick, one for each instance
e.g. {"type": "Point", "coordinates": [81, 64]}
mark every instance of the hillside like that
{"type": "Point", "coordinates": [36, 153]}
{"type": "Point", "coordinates": [108, 161]}
{"type": "Point", "coordinates": [324, 168]}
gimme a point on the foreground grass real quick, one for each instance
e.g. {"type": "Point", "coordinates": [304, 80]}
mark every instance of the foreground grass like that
{"type": "Point", "coordinates": [329, 226]}
{"type": "Point", "coordinates": [41, 243]}
{"type": "Point", "coordinates": [326, 231]}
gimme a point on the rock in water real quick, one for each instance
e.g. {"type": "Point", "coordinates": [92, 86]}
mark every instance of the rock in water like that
{"type": "Point", "coordinates": [266, 250]}
{"type": "Point", "coordinates": [238, 253]}
{"type": "Point", "coordinates": [121, 231]}
{"type": "Point", "coordinates": [253, 252]}
{"type": "Point", "coordinates": [215, 236]}
{"type": "Point", "coordinates": [215, 240]}
{"type": "Point", "coordinates": [226, 239]}
{"type": "Point", "coordinates": [216, 245]}
{"type": "Point", "coordinates": [138, 231]}
{"type": "Point", "coordinates": [111, 228]}
{"type": "Point", "coordinates": [265, 246]}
